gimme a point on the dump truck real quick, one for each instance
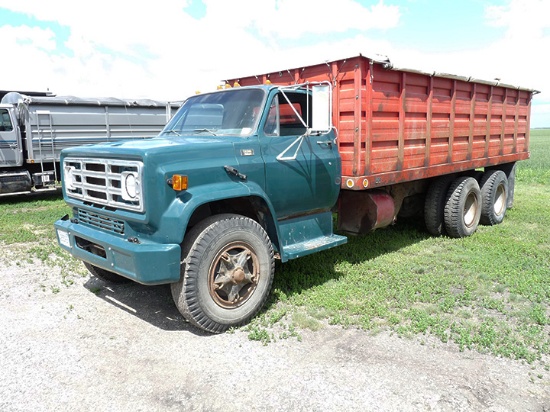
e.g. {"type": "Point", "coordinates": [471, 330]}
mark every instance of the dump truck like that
{"type": "Point", "coordinates": [257, 171]}
{"type": "Point", "coordinates": [35, 128]}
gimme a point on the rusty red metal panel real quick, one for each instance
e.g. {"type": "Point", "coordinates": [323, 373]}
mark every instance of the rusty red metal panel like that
{"type": "Point", "coordinates": [401, 125]}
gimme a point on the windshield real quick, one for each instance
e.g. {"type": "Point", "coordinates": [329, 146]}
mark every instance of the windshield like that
{"type": "Point", "coordinates": [230, 112]}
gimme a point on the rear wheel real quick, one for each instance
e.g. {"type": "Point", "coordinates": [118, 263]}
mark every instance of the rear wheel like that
{"type": "Point", "coordinates": [226, 272]}
{"type": "Point", "coordinates": [434, 205]}
{"type": "Point", "coordinates": [105, 274]}
{"type": "Point", "coordinates": [463, 207]}
{"type": "Point", "coordinates": [494, 197]}
{"type": "Point", "coordinates": [509, 170]}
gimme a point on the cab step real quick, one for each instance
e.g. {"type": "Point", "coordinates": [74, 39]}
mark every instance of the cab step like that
{"type": "Point", "coordinates": [307, 234]}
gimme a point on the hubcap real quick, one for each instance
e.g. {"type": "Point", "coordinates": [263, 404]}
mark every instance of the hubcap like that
{"type": "Point", "coordinates": [500, 201]}
{"type": "Point", "coordinates": [470, 209]}
{"type": "Point", "coordinates": [234, 275]}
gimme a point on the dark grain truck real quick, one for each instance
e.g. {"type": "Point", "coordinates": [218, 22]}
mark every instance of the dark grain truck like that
{"type": "Point", "coordinates": [253, 173]}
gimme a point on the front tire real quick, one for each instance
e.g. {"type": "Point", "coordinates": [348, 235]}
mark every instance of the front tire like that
{"type": "Point", "coordinates": [226, 272]}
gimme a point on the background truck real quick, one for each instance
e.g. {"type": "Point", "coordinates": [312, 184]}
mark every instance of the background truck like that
{"type": "Point", "coordinates": [246, 175]}
{"type": "Point", "coordinates": [34, 130]}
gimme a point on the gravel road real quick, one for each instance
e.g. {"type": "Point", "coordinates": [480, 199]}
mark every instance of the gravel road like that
{"type": "Point", "coordinates": [92, 346]}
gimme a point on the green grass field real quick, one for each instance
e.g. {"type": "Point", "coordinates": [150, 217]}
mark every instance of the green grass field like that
{"type": "Point", "coordinates": [489, 292]}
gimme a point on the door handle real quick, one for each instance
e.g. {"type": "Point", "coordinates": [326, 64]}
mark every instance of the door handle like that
{"type": "Point", "coordinates": [325, 142]}
{"type": "Point", "coordinates": [232, 171]}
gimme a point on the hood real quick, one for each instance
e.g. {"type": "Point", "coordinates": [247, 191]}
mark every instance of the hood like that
{"type": "Point", "coordinates": [179, 146]}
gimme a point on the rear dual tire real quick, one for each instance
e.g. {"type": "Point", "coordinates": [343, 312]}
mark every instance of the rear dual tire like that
{"type": "Point", "coordinates": [463, 207]}
{"type": "Point", "coordinates": [494, 195]}
{"type": "Point", "coordinates": [434, 206]}
{"type": "Point", "coordinates": [456, 206]}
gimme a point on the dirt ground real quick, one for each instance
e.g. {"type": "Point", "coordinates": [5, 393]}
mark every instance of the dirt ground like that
{"type": "Point", "coordinates": [95, 346]}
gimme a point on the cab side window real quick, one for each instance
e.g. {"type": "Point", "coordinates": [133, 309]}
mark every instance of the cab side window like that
{"type": "Point", "coordinates": [5, 121]}
{"type": "Point", "coordinates": [284, 117]}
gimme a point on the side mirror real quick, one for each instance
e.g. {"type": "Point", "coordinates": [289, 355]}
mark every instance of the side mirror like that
{"type": "Point", "coordinates": [321, 120]}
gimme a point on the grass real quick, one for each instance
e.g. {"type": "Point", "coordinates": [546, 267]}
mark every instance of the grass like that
{"type": "Point", "coordinates": [29, 219]}
{"type": "Point", "coordinates": [489, 292]}
{"type": "Point", "coordinates": [26, 224]}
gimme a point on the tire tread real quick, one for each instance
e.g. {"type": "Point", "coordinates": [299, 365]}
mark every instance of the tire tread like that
{"type": "Point", "coordinates": [453, 216]}
{"type": "Point", "coordinates": [434, 205]}
{"type": "Point", "coordinates": [489, 183]}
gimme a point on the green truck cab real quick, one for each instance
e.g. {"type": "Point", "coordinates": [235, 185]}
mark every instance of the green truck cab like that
{"type": "Point", "coordinates": [237, 178]}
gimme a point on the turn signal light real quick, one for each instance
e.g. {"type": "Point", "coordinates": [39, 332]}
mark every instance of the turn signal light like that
{"type": "Point", "coordinates": [178, 182]}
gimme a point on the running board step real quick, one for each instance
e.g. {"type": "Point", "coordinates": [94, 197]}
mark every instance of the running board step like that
{"type": "Point", "coordinates": [308, 234]}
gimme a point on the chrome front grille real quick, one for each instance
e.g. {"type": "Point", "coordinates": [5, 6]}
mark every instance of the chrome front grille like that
{"type": "Point", "coordinates": [100, 221]}
{"type": "Point", "coordinates": [108, 182]}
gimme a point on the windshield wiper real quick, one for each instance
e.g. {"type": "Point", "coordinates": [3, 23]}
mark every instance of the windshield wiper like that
{"type": "Point", "coordinates": [212, 132]}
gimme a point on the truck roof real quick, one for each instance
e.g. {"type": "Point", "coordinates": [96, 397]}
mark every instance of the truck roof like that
{"type": "Point", "coordinates": [14, 98]}
{"type": "Point", "coordinates": [28, 93]}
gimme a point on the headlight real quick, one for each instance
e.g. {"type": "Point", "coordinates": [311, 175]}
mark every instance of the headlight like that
{"type": "Point", "coordinates": [130, 186]}
{"type": "Point", "coordinates": [68, 177]}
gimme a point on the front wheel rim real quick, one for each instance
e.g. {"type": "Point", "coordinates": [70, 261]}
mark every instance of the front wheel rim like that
{"type": "Point", "coordinates": [234, 275]}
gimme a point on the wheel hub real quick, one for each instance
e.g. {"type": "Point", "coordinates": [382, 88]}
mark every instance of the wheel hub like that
{"type": "Point", "coordinates": [233, 277]}
{"type": "Point", "coordinates": [238, 275]}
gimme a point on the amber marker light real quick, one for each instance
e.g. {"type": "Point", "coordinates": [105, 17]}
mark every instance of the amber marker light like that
{"type": "Point", "coordinates": [178, 182]}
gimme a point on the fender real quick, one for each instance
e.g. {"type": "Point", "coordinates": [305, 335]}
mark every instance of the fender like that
{"type": "Point", "coordinates": [176, 217]}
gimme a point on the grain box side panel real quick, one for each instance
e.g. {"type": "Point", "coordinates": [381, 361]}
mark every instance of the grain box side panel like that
{"type": "Point", "coordinates": [416, 122]}
{"type": "Point", "coordinates": [384, 138]}
{"type": "Point", "coordinates": [345, 120]}
{"type": "Point", "coordinates": [463, 106]}
{"type": "Point", "coordinates": [441, 130]}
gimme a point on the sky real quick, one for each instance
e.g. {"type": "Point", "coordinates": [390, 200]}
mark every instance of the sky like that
{"type": "Point", "coordinates": [169, 49]}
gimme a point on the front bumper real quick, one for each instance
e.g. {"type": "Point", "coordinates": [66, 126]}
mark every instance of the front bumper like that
{"type": "Point", "coordinates": [145, 262]}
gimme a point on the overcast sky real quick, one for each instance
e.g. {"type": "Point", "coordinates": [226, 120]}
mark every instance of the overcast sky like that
{"type": "Point", "coordinates": [169, 49]}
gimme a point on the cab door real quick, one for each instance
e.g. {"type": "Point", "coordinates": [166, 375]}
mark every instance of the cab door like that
{"type": "Point", "coordinates": [302, 172]}
{"type": "Point", "coordinates": [11, 152]}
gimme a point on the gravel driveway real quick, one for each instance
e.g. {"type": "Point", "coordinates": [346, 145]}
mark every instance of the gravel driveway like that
{"type": "Point", "coordinates": [92, 346]}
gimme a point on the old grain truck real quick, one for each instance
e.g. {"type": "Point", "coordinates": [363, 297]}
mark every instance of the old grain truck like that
{"type": "Point", "coordinates": [34, 130]}
{"type": "Point", "coordinates": [246, 175]}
